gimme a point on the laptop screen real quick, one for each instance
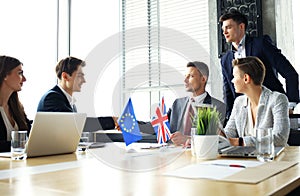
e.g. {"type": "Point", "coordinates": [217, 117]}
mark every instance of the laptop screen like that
{"type": "Point", "coordinates": [55, 133]}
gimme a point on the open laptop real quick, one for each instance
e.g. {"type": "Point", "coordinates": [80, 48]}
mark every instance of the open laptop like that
{"type": "Point", "coordinates": [244, 151]}
{"type": "Point", "coordinates": [55, 133]}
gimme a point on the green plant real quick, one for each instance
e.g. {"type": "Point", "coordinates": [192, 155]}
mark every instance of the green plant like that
{"type": "Point", "coordinates": [206, 120]}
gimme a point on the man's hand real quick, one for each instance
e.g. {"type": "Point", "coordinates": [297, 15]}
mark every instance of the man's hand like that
{"type": "Point", "coordinates": [178, 139]}
{"type": "Point", "coordinates": [116, 123]}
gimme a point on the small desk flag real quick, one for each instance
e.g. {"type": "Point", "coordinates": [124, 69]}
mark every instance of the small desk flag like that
{"type": "Point", "coordinates": [160, 123]}
{"type": "Point", "coordinates": [129, 125]}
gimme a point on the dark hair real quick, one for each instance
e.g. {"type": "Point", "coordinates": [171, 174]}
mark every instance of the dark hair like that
{"type": "Point", "coordinates": [7, 64]}
{"type": "Point", "coordinates": [68, 65]}
{"type": "Point", "coordinates": [252, 66]}
{"type": "Point", "coordinates": [236, 16]}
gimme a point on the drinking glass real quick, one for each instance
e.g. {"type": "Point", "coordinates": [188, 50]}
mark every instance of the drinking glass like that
{"type": "Point", "coordinates": [84, 141]}
{"type": "Point", "coordinates": [264, 144]}
{"type": "Point", "coordinates": [18, 144]}
{"type": "Point", "coordinates": [193, 132]}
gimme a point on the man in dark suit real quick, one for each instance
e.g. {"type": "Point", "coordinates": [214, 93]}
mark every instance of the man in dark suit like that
{"type": "Point", "coordinates": [234, 25]}
{"type": "Point", "coordinates": [70, 79]}
{"type": "Point", "coordinates": [195, 83]}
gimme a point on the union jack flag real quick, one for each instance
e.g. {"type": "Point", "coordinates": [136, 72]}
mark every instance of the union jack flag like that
{"type": "Point", "coordinates": [160, 123]}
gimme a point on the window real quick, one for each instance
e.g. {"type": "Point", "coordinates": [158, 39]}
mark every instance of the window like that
{"type": "Point", "coordinates": [296, 25]}
{"type": "Point", "coordinates": [30, 36]}
{"type": "Point", "coordinates": [95, 38]}
{"type": "Point", "coordinates": [159, 38]}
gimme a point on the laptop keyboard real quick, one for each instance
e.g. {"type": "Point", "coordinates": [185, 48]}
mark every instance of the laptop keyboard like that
{"type": "Point", "coordinates": [241, 150]}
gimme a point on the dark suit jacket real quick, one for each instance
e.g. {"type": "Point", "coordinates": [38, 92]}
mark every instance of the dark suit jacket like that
{"type": "Point", "coordinates": [4, 144]}
{"type": "Point", "coordinates": [176, 113]}
{"type": "Point", "coordinates": [54, 101]}
{"type": "Point", "coordinates": [274, 61]}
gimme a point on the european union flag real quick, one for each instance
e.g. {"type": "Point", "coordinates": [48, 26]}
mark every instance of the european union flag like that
{"type": "Point", "coordinates": [128, 125]}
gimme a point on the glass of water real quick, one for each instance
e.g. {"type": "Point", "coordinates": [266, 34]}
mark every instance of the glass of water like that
{"type": "Point", "coordinates": [84, 141]}
{"type": "Point", "coordinates": [18, 144]}
{"type": "Point", "coordinates": [193, 132]}
{"type": "Point", "coordinates": [264, 144]}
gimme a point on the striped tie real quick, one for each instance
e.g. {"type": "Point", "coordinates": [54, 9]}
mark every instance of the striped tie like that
{"type": "Point", "coordinates": [188, 120]}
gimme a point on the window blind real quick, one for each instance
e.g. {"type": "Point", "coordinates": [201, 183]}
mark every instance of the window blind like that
{"type": "Point", "coordinates": [159, 38]}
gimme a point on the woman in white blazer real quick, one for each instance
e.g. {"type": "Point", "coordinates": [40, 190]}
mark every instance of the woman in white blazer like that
{"type": "Point", "coordinates": [259, 107]}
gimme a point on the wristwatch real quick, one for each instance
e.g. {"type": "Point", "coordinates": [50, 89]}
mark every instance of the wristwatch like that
{"type": "Point", "coordinates": [241, 141]}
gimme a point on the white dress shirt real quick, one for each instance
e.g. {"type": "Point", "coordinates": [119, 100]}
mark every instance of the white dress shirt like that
{"type": "Point", "coordinates": [70, 98]}
{"type": "Point", "coordinates": [7, 123]}
{"type": "Point", "coordinates": [241, 51]}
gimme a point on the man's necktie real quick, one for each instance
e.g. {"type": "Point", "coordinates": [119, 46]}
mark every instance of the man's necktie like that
{"type": "Point", "coordinates": [188, 117]}
{"type": "Point", "coordinates": [74, 108]}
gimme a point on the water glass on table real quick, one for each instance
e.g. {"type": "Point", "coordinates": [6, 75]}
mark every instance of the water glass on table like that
{"type": "Point", "coordinates": [18, 145]}
{"type": "Point", "coordinates": [264, 144]}
{"type": "Point", "coordinates": [84, 141]}
{"type": "Point", "coordinates": [193, 132]}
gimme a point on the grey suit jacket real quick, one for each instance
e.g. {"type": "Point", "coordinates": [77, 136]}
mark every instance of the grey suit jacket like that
{"type": "Point", "coordinates": [272, 112]}
{"type": "Point", "coordinates": [176, 113]}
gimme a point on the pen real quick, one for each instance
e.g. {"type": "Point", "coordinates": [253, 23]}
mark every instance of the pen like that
{"type": "Point", "coordinates": [229, 165]}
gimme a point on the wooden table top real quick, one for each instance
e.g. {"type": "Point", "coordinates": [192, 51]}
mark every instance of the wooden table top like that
{"type": "Point", "coordinates": [110, 171]}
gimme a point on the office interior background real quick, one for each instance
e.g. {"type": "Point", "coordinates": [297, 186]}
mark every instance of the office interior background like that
{"type": "Point", "coordinates": [133, 48]}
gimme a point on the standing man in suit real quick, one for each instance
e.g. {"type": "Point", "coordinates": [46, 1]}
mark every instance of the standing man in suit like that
{"type": "Point", "coordinates": [234, 25]}
{"type": "Point", "coordinates": [195, 82]}
{"type": "Point", "coordinates": [70, 79]}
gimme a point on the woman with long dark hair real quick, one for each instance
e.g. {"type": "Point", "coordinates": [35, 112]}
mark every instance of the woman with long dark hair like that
{"type": "Point", "coordinates": [12, 116]}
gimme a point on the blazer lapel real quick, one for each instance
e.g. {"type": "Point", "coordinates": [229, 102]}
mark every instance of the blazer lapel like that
{"type": "Point", "coordinates": [57, 89]}
{"type": "Point", "coordinates": [181, 111]}
{"type": "Point", "coordinates": [244, 115]}
{"type": "Point", "coordinates": [207, 99]}
{"type": "Point", "coordinates": [248, 46]}
{"type": "Point", "coordinates": [261, 107]}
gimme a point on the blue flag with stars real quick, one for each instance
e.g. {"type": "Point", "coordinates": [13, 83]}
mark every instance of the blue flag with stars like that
{"type": "Point", "coordinates": [128, 125]}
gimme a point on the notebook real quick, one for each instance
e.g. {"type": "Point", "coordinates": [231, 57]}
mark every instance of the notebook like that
{"type": "Point", "coordinates": [244, 151]}
{"type": "Point", "coordinates": [55, 133]}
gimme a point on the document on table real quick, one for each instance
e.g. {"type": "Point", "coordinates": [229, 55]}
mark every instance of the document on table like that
{"type": "Point", "coordinates": [143, 149]}
{"type": "Point", "coordinates": [232, 170]}
{"type": "Point", "coordinates": [217, 169]}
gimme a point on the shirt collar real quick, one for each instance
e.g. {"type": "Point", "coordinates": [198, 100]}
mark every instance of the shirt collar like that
{"type": "Point", "coordinates": [200, 98]}
{"type": "Point", "coordinates": [70, 98]}
{"type": "Point", "coordinates": [242, 43]}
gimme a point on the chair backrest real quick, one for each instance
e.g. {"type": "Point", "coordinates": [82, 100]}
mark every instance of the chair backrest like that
{"type": "Point", "coordinates": [294, 137]}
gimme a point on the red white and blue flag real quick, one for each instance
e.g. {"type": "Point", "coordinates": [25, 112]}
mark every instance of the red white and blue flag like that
{"type": "Point", "coordinates": [160, 123]}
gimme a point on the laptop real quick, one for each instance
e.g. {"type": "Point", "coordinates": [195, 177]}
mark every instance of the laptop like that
{"type": "Point", "coordinates": [244, 151]}
{"type": "Point", "coordinates": [226, 150]}
{"type": "Point", "coordinates": [55, 133]}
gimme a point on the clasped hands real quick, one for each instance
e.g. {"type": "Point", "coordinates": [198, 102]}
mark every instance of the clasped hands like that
{"type": "Point", "coordinates": [179, 139]}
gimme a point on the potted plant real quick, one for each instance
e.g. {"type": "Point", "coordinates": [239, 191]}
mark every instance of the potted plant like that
{"type": "Point", "coordinates": [204, 138]}
{"type": "Point", "coordinates": [206, 120]}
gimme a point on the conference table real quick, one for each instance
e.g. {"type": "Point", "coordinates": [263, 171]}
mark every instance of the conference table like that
{"type": "Point", "coordinates": [114, 170]}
